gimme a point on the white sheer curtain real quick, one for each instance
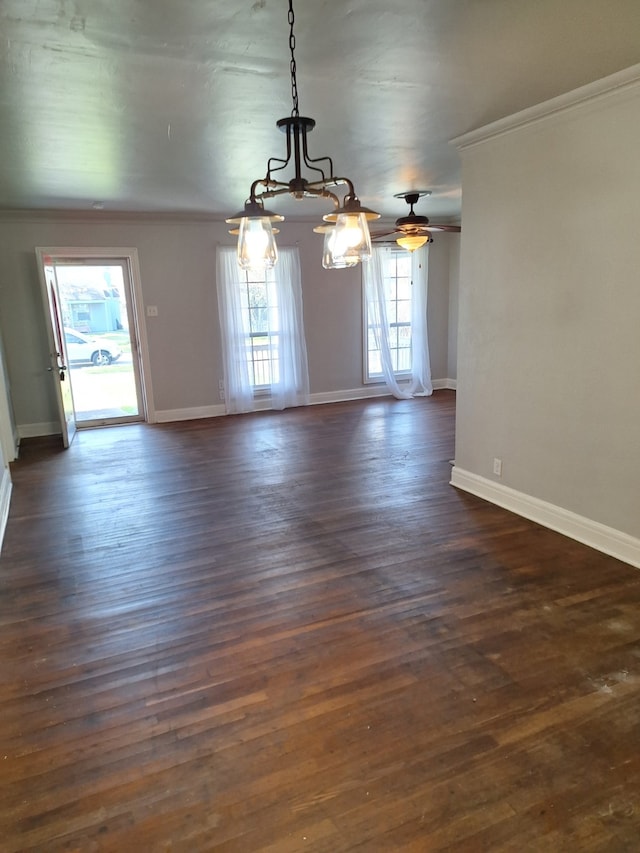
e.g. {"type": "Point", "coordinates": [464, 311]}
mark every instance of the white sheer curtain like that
{"type": "Point", "coordinates": [292, 387]}
{"type": "Point", "coordinates": [287, 351]}
{"type": "Point", "coordinates": [373, 271]}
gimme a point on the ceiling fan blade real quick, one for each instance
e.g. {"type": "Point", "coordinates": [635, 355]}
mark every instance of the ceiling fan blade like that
{"type": "Point", "coordinates": [415, 230]}
{"type": "Point", "coordinates": [375, 234]}
{"type": "Point", "coordinates": [454, 228]}
{"type": "Point", "coordinates": [426, 229]}
{"type": "Point", "coordinates": [414, 224]}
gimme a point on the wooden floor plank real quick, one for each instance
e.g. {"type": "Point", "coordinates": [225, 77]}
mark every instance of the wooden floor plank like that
{"type": "Point", "coordinates": [286, 632]}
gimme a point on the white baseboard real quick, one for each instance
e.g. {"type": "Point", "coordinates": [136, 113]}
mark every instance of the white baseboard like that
{"type": "Point", "coordinates": [163, 416]}
{"type": "Point", "coordinates": [610, 541]}
{"type": "Point", "coordinates": [36, 430]}
{"type": "Point", "coordinates": [5, 500]}
{"type": "Point", "coordinates": [365, 393]}
{"type": "Point", "coordinates": [371, 391]}
{"type": "Point", "coordinates": [444, 384]}
{"type": "Point", "coordinates": [264, 404]}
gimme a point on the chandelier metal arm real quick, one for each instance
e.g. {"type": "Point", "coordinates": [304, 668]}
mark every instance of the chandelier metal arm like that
{"type": "Point", "coordinates": [284, 163]}
{"type": "Point", "coordinates": [351, 193]}
{"type": "Point", "coordinates": [296, 129]}
{"type": "Point", "coordinates": [275, 188]}
{"type": "Point", "coordinates": [309, 161]}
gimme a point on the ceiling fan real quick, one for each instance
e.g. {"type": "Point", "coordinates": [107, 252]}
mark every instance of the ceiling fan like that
{"type": "Point", "coordinates": [413, 230]}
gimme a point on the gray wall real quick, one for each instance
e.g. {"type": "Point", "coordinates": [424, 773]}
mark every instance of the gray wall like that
{"type": "Point", "coordinates": [549, 322]}
{"type": "Point", "coordinates": [177, 266]}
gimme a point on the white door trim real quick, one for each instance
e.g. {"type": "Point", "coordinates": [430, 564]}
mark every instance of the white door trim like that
{"type": "Point", "coordinates": [130, 254]}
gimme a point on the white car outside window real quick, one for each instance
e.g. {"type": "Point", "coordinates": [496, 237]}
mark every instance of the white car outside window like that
{"type": "Point", "coordinates": [83, 348]}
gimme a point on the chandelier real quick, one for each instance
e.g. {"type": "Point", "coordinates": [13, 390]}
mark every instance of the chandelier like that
{"type": "Point", "coordinates": [347, 240]}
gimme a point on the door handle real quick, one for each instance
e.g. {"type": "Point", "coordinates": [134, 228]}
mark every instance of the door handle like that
{"type": "Point", "coordinates": [62, 369]}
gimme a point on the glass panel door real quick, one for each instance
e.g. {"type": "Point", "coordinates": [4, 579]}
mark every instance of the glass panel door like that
{"type": "Point", "coordinates": [99, 330]}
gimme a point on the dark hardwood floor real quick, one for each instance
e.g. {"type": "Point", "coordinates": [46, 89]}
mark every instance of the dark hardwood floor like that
{"type": "Point", "coordinates": [286, 632]}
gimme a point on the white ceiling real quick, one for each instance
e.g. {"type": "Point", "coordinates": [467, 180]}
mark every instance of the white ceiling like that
{"type": "Point", "coordinates": [171, 105]}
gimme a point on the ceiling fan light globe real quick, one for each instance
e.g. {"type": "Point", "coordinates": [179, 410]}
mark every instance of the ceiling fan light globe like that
{"type": "Point", "coordinates": [411, 242]}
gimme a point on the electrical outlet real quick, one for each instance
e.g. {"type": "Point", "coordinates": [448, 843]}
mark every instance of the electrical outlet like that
{"type": "Point", "coordinates": [152, 310]}
{"type": "Point", "coordinates": [220, 384]}
{"type": "Point", "coordinates": [221, 394]}
{"type": "Point", "coordinates": [497, 467]}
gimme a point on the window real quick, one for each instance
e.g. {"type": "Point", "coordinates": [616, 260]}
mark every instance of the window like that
{"type": "Point", "coordinates": [260, 307]}
{"type": "Point", "coordinates": [396, 281]}
{"type": "Point", "coordinates": [395, 321]}
{"type": "Point", "coordinates": [262, 332]}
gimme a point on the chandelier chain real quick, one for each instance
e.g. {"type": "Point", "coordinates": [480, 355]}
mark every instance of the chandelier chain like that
{"type": "Point", "coordinates": [292, 65]}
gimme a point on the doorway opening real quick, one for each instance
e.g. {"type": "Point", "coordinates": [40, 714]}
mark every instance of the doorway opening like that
{"type": "Point", "coordinates": [103, 352]}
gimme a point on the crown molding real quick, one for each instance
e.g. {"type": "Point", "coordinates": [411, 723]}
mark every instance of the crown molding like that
{"type": "Point", "coordinates": [599, 90]}
{"type": "Point", "coordinates": [77, 215]}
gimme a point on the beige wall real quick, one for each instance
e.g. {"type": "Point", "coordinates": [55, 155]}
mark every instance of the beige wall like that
{"type": "Point", "coordinates": [549, 324]}
{"type": "Point", "coordinates": [454, 280]}
{"type": "Point", "coordinates": [438, 305]}
{"type": "Point", "coordinates": [177, 267]}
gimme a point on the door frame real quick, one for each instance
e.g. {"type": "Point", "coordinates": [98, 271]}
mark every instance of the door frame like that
{"type": "Point", "coordinates": [129, 255]}
{"type": "Point", "coordinates": [59, 363]}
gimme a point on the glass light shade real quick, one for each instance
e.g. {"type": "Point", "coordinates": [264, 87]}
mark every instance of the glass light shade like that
{"type": "Point", "coordinates": [411, 242]}
{"type": "Point", "coordinates": [350, 241]}
{"type": "Point", "coordinates": [330, 259]}
{"type": "Point", "coordinates": [257, 248]}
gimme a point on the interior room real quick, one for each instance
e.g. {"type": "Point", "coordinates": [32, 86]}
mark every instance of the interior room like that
{"type": "Point", "coordinates": [374, 618]}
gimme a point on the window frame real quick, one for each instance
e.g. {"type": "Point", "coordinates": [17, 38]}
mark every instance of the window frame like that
{"type": "Point", "coordinates": [248, 279]}
{"type": "Point", "coordinates": [378, 379]}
